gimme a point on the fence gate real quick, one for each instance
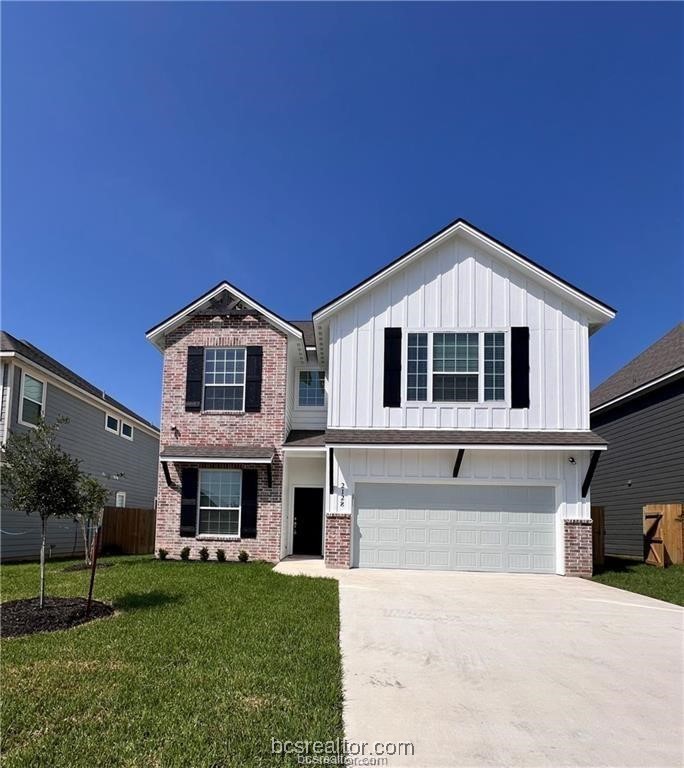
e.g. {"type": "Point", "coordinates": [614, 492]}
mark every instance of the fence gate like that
{"type": "Point", "coordinates": [663, 534]}
{"type": "Point", "coordinates": [128, 530]}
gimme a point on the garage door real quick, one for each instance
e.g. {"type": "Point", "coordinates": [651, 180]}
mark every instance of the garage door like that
{"type": "Point", "coordinates": [468, 528]}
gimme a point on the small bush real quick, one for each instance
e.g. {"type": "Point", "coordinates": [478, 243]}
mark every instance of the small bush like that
{"type": "Point", "coordinates": [163, 554]}
{"type": "Point", "coordinates": [204, 554]}
{"type": "Point", "coordinates": [185, 553]}
{"type": "Point", "coordinates": [221, 555]}
{"type": "Point", "coordinates": [243, 556]}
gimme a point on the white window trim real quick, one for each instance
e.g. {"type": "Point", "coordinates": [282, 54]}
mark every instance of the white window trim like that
{"type": "Point", "coordinates": [20, 420]}
{"type": "Point", "coordinates": [223, 536]}
{"type": "Point", "coordinates": [325, 394]}
{"type": "Point", "coordinates": [116, 498]}
{"type": "Point", "coordinates": [506, 402]}
{"type": "Point", "coordinates": [126, 437]}
{"type": "Point", "coordinates": [118, 423]}
{"type": "Point", "coordinates": [244, 382]}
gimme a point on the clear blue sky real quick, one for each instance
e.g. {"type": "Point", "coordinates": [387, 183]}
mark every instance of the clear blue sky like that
{"type": "Point", "coordinates": [151, 150]}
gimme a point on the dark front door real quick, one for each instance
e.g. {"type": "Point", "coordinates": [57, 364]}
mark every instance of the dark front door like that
{"type": "Point", "coordinates": [307, 538]}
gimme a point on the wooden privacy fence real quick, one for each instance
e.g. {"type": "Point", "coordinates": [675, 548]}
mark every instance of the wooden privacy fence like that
{"type": "Point", "coordinates": [598, 534]}
{"type": "Point", "coordinates": [128, 530]}
{"type": "Point", "coordinates": [663, 534]}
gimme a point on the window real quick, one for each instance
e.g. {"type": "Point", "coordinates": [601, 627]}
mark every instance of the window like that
{"type": "Point", "coordinates": [311, 388]}
{"type": "Point", "coordinates": [224, 379]}
{"type": "Point", "coordinates": [32, 400]}
{"type": "Point", "coordinates": [494, 372]}
{"type": "Point", "coordinates": [455, 365]}
{"type": "Point", "coordinates": [120, 499]}
{"type": "Point", "coordinates": [417, 362]}
{"type": "Point", "coordinates": [111, 423]}
{"type": "Point", "coordinates": [126, 431]}
{"type": "Point", "coordinates": [219, 502]}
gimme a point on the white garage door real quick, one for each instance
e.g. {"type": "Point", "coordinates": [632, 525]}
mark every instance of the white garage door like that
{"type": "Point", "coordinates": [455, 527]}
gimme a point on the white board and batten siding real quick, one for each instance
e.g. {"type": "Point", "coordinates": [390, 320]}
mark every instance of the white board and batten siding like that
{"type": "Point", "coordinates": [457, 286]}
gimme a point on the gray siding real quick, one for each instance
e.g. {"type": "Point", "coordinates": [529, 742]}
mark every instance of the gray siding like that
{"type": "Point", "coordinates": [102, 454]}
{"type": "Point", "coordinates": [645, 445]}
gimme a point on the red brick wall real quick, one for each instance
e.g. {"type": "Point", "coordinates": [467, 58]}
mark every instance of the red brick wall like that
{"type": "Point", "coordinates": [265, 428]}
{"type": "Point", "coordinates": [578, 548]}
{"type": "Point", "coordinates": [337, 540]}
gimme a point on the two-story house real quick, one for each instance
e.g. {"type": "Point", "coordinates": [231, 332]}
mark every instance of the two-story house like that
{"type": "Point", "coordinates": [434, 416]}
{"type": "Point", "coordinates": [113, 443]}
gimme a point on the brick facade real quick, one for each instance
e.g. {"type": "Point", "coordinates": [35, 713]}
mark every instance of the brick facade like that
{"type": "Point", "coordinates": [578, 548]}
{"type": "Point", "coordinates": [338, 540]}
{"type": "Point", "coordinates": [264, 428]}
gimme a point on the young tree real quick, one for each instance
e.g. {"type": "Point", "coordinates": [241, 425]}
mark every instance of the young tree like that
{"type": "Point", "coordinates": [92, 499]}
{"type": "Point", "coordinates": [40, 478]}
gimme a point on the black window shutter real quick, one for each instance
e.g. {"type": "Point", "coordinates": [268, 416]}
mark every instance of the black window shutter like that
{"type": "Point", "coordinates": [520, 367]}
{"type": "Point", "coordinates": [248, 523]}
{"type": "Point", "coordinates": [193, 379]}
{"type": "Point", "coordinates": [188, 514]}
{"type": "Point", "coordinates": [253, 379]}
{"type": "Point", "coordinates": [391, 394]}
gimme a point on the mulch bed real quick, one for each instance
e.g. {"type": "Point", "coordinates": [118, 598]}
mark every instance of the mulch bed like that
{"type": "Point", "coordinates": [24, 617]}
{"type": "Point", "coordinates": [84, 567]}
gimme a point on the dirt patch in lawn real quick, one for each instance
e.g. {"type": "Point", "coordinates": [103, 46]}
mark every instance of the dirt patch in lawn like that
{"type": "Point", "coordinates": [25, 617]}
{"type": "Point", "coordinates": [84, 567]}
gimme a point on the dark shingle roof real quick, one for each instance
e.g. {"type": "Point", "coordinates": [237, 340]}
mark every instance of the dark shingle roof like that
{"type": "Point", "coordinates": [218, 452]}
{"type": "Point", "coordinates": [9, 343]}
{"type": "Point", "coordinates": [305, 438]}
{"type": "Point", "coordinates": [460, 437]}
{"type": "Point", "coordinates": [306, 327]}
{"type": "Point", "coordinates": [661, 358]}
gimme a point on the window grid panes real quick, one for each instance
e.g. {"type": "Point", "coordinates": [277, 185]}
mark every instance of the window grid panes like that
{"type": "Point", "coordinates": [417, 362]}
{"type": "Point", "coordinates": [112, 424]}
{"type": "Point", "coordinates": [127, 430]}
{"type": "Point", "coordinates": [311, 388]}
{"type": "Point", "coordinates": [224, 379]}
{"type": "Point", "coordinates": [219, 502]}
{"type": "Point", "coordinates": [494, 366]}
{"type": "Point", "coordinates": [32, 405]}
{"type": "Point", "coordinates": [455, 365]}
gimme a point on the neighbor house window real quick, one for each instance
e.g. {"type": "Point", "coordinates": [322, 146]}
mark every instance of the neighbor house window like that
{"type": "Point", "coordinates": [32, 400]}
{"type": "Point", "coordinates": [417, 362]}
{"type": "Point", "coordinates": [224, 379]}
{"type": "Point", "coordinates": [455, 365]}
{"type": "Point", "coordinates": [219, 502]}
{"type": "Point", "coordinates": [494, 371]}
{"type": "Point", "coordinates": [120, 499]}
{"type": "Point", "coordinates": [126, 430]}
{"type": "Point", "coordinates": [311, 388]}
{"type": "Point", "coordinates": [111, 424]}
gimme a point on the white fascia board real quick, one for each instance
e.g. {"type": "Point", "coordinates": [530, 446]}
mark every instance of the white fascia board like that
{"type": "Point", "coordinates": [81, 394]}
{"type": "Point", "coordinates": [211, 460]}
{"type": "Point", "coordinates": [639, 390]}
{"type": "Point", "coordinates": [468, 447]}
{"type": "Point", "coordinates": [303, 449]}
{"type": "Point", "coordinates": [599, 310]}
{"type": "Point", "coordinates": [172, 322]}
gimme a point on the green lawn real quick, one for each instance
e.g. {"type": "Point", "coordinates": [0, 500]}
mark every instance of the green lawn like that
{"type": "Point", "coordinates": [203, 664]}
{"type": "Point", "coordinates": [662, 583]}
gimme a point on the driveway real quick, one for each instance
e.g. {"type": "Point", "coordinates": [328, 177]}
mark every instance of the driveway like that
{"type": "Point", "coordinates": [510, 670]}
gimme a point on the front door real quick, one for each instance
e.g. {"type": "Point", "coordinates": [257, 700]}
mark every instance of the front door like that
{"type": "Point", "coordinates": [307, 538]}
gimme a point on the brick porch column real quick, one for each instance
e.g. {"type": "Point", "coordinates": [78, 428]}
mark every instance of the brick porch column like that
{"type": "Point", "coordinates": [578, 548]}
{"type": "Point", "coordinates": [337, 540]}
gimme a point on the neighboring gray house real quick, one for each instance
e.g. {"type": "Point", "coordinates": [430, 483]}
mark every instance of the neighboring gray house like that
{"type": "Point", "coordinates": [114, 444]}
{"type": "Point", "coordinates": [640, 412]}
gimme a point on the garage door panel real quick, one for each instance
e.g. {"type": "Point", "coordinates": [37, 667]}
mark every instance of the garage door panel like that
{"type": "Point", "coordinates": [421, 531]}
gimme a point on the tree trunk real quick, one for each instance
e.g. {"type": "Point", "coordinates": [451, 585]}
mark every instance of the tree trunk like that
{"type": "Point", "coordinates": [86, 538]}
{"type": "Point", "coordinates": [43, 525]}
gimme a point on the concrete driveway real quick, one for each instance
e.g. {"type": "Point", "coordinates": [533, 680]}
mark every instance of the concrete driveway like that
{"type": "Point", "coordinates": [510, 670]}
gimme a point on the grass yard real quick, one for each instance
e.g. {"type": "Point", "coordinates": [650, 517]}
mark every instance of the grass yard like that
{"type": "Point", "coordinates": [662, 583]}
{"type": "Point", "coordinates": [203, 664]}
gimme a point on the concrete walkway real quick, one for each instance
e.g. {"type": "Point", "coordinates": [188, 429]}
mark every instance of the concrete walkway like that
{"type": "Point", "coordinates": [508, 670]}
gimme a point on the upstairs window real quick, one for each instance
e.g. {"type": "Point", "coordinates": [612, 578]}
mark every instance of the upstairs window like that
{"type": "Point", "coordinates": [224, 379]}
{"type": "Point", "coordinates": [32, 400]}
{"type": "Point", "coordinates": [494, 367]}
{"type": "Point", "coordinates": [111, 423]}
{"type": "Point", "coordinates": [455, 365]}
{"type": "Point", "coordinates": [126, 430]}
{"type": "Point", "coordinates": [417, 367]}
{"type": "Point", "coordinates": [220, 492]}
{"type": "Point", "coordinates": [120, 499]}
{"type": "Point", "coordinates": [311, 389]}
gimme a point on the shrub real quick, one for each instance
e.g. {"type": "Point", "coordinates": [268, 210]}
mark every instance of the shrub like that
{"type": "Point", "coordinates": [185, 553]}
{"type": "Point", "coordinates": [204, 554]}
{"type": "Point", "coordinates": [163, 554]}
{"type": "Point", "coordinates": [243, 556]}
{"type": "Point", "coordinates": [221, 555]}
